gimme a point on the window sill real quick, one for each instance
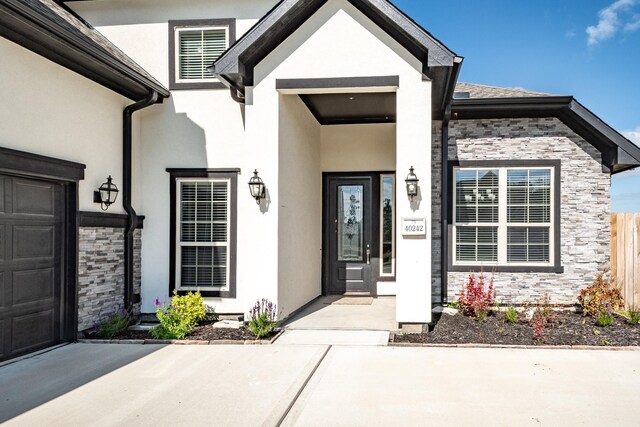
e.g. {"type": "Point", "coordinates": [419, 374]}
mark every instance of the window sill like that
{"type": "Point", "coordinates": [209, 293]}
{"type": "Point", "coordinates": [197, 85]}
{"type": "Point", "coordinates": [507, 268]}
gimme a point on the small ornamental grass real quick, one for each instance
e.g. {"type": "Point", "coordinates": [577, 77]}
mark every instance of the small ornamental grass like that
{"type": "Point", "coordinates": [633, 316]}
{"type": "Point", "coordinates": [263, 318]}
{"type": "Point", "coordinates": [600, 295]}
{"type": "Point", "coordinates": [511, 315]}
{"type": "Point", "coordinates": [178, 318]}
{"type": "Point", "coordinates": [114, 324]}
{"type": "Point", "coordinates": [474, 299]}
{"type": "Point", "coordinates": [604, 319]}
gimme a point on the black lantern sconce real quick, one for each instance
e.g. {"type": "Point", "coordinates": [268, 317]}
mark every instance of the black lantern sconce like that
{"type": "Point", "coordinates": [412, 184]}
{"type": "Point", "coordinates": [106, 194]}
{"type": "Point", "coordinates": [256, 187]}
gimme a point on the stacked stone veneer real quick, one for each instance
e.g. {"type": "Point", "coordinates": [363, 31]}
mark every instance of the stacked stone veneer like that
{"type": "Point", "coordinates": [584, 210]}
{"type": "Point", "coordinates": [101, 273]}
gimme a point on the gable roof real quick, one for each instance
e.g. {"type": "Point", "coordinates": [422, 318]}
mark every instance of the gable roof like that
{"type": "Point", "coordinates": [488, 102]}
{"type": "Point", "coordinates": [236, 66]}
{"type": "Point", "coordinates": [56, 33]}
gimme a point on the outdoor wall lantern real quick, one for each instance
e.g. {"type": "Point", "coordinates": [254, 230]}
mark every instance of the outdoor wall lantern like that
{"type": "Point", "coordinates": [106, 194]}
{"type": "Point", "coordinates": [412, 184]}
{"type": "Point", "coordinates": [256, 187]}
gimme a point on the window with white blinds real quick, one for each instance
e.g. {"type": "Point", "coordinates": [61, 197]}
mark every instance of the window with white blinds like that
{"type": "Point", "coordinates": [197, 49]}
{"type": "Point", "coordinates": [203, 234]}
{"type": "Point", "coordinates": [502, 216]}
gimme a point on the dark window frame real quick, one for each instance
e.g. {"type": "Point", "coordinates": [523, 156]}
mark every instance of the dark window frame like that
{"type": "Point", "coordinates": [194, 23]}
{"type": "Point", "coordinates": [556, 266]}
{"type": "Point", "coordinates": [232, 175]}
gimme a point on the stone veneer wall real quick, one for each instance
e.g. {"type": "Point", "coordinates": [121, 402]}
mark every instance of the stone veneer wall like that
{"type": "Point", "coordinates": [585, 202]}
{"type": "Point", "coordinates": [436, 212]}
{"type": "Point", "coordinates": [101, 273]}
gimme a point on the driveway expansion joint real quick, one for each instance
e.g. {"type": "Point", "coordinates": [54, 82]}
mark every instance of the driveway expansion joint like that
{"type": "Point", "coordinates": [302, 387]}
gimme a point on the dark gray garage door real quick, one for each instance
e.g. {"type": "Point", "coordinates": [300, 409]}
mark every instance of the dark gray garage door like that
{"type": "Point", "coordinates": [31, 226]}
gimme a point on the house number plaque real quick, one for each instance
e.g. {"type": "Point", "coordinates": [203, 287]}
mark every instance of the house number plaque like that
{"type": "Point", "coordinates": [414, 227]}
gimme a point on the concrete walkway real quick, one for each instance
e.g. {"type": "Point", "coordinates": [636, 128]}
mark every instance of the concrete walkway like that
{"type": "Point", "coordinates": [315, 385]}
{"type": "Point", "coordinates": [326, 323]}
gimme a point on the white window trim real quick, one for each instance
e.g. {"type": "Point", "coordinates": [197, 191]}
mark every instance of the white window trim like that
{"type": "Point", "coordinates": [502, 223]}
{"type": "Point", "coordinates": [180, 244]}
{"type": "Point", "coordinates": [393, 225]}
{"type": "Point", "coordinates": [176, 65]}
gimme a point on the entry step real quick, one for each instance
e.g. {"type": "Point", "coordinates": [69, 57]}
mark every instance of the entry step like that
{"type": "Point", "coordinates": [333, 337]}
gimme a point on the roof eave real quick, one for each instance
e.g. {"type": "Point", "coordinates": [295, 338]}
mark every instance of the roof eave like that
{"type": "Point", "coordinates": [238, 62]}
{"type": "Point", "coordinates": [25, 26]}
{"type": "Point", "coordinates": [618, 153]}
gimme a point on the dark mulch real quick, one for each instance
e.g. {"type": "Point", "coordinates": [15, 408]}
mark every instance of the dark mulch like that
{"type": "Point", "coordinates": [569, 328]}
{"type": "Point", "coordinates": [203, 332]}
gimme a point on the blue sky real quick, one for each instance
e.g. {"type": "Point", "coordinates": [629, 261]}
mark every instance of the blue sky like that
{"type": "Point", "coordinates": [586, 48]}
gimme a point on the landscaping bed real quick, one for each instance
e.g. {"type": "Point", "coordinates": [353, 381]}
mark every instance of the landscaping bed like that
{"type": "Point", "coordinates": [566, 329]}
{"type": "Point", "coordinates": [204, 331]}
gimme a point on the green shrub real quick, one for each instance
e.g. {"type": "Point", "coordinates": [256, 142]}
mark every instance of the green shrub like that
{"type": "Point", "coordinates": [178, 318]}
{"type": "Point", "coordinates": [113, 325]}
{"type": "Point", "coordinates": [511, 315]}
{"type": "Point", "coordinates": [594, 298]}
{"type": "Point", "coordinates": [604, 318]}
{"type": "Point", "coordinates": [634, 315]}
{"type": "Point", "coordinates": [263, 318]}
{"type": "Point", "coordinates": [455, 304]}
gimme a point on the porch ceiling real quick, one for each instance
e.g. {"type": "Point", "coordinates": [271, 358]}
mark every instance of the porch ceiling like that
{"type": "Point", "coordinates": [352, 108]}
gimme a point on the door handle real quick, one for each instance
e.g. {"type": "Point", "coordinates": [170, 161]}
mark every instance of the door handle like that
{"type": "Point", "coordinates": [368, 255]}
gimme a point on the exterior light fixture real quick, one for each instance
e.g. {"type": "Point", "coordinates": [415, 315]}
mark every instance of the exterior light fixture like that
{"type": "Point", "coordinates": [106, 194]}
{"type": "Point", "coordinates": [412, 184]}
{"type": "Point", "coordinates": [256, 187]}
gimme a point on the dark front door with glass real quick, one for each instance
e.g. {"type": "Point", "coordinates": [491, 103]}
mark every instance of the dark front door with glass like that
{"type": "Point", "coordinates": [348, 235]}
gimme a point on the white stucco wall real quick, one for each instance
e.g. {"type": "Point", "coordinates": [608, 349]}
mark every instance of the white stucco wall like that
{"type": "Point", "coordinates": [341, 42]}
{"type": "Point", "coordinates": [193, 129]}
{"type": "Point", "coordinates": [207, 129]}
{"type": "Point", "coordinates": [47, 109]}
{"type": "Point", "coordinates": [140, 27]}
{"type": "Point", "coordinates": [299, 206]}
{"type": "Point", "coordinates": [358, 148]}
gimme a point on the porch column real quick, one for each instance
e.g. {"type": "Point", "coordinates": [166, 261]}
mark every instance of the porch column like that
{"type": "Point", "coordinates": [413, 254]}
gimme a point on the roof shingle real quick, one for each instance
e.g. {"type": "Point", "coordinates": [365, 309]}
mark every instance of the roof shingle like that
{"type": "Point", "coordinates": [484, 91]}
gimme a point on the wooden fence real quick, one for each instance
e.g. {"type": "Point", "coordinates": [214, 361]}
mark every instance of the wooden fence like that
{"type": "Point", "coordinates": [625, 255]}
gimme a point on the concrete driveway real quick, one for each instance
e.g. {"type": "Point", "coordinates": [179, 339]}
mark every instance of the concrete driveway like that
{"type": "Point", "coordinates": [315, 385]}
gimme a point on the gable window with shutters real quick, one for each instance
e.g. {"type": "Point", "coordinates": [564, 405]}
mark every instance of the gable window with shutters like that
{"type": "Point", "coordinates": [505, 216]}
{"type": "Point", "coordinates": [193, 47]}
{"type": "Point", "coordinates": [203, 231]}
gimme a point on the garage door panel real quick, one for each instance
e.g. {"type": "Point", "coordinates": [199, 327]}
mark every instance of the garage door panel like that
{"type": "Point", "coordinates": [31, 242]}
{"type": "Point", "coordinates": [33, 197]}
{"type": "Point", "coordinates": [2, 290]}
{"type": "Point", "coordinates": [3, 351]}
{"type": "Point", "coordinates": [32, 331]}
{"type": "Point", "coordinates": [33, 285]}
{"type": "Point", "coordinates": [2, 193]}
{"type": "Point", "coordinates": [31, 233]}
{"type": "Point", "coordinates": [3, 241]}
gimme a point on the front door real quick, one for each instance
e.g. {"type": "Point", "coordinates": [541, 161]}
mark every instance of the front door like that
{"type": "Point", "coordinates": [348, 235]}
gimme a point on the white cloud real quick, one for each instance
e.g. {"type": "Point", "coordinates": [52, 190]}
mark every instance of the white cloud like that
{"type": "Point", "coordinates": [611, 19]}
{"type": "Point", "coordinates": [633, 25]}
{"type": "Point", "coordinates": [633, 135]}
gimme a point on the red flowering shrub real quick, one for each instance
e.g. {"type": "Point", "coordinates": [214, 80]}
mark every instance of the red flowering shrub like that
{"type": "Point", "coordinates": [543, 317]}
{"type": "Point", "coordinates": [474, 299]}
